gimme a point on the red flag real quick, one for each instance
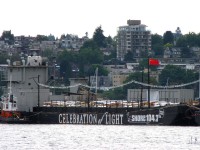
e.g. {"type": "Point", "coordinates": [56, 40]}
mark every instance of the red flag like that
{"type": "Point", "coordinates": [154, 62]}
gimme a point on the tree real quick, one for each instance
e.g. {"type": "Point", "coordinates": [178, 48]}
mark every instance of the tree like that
{"type": "Point", "coordinates": [192, 39]}
{"type": "Point", "coordinates": [90, 56]}
{"type": "Point", "coordinates": [157, 44]}
{"type": "Point", "coordinates": [101, 70]}
{"type": "Point", "coordinates": [8, 37]}
{"type": "Point", "coordinates": [168, 37]}
{"type": "Point", "coordinates": [156, 39]}
{"type": "Point", "coordinates": [51, 37]}
{"type": "Point", "coordinates": [112, 45]}
{"type": "Point", "coordinates": [189, 40]}
{"type": "Point", "coordinates": [90, 44]}
{"type": "Point", "coordinates": [48, 53]}
{"type": "Point", "coordinates": [65, 59]}
{"type": "Point", "coordinates": [176, 75]}
{"type": "Point", "coordinates": [3, 58]}
{"type": "Point", "coordinates": [109, 40]}
{"type": "Point", "coordinates": [99, 38]}
{"type": "Point", "coordinates": [137, 76]}
{"type": "Point", "coordinates": [40, 38]}
{"type": "Point", "coordinates": [158, 50]}
{"type": "Point", "coordinates": [116, 94]}
{"type": "Point", "coordinates": [182, 42]}
{"type": "Point", "coordinates": [185, 52]}
{"type": "Point", "coordinates": [129, 56]}
{"type": "Point", "coordinates": [111, 56]}
{"type": "Point", "coordinates": [143, 64]}
{"type": "Point", "coordinates": [169, 45]}
{"type": "Point", "coordinates": [87, 57]}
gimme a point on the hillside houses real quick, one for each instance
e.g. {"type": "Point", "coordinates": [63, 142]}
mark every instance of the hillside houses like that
{"type": "Point", "coordinates": [23, 44]}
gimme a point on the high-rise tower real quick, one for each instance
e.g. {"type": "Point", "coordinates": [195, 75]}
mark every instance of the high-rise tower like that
{"type": "Point", "coordinates": [134, 37]}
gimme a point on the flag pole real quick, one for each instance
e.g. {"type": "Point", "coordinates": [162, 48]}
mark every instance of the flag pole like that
{"type": "Point", "coordinates": [148, 84]}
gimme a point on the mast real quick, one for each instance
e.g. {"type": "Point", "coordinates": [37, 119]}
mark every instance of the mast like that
{"type": "Point", "coordinates": [88, 97]}
{"type": "Point", "coordinates": [96, 79]}
{"type": "Point", "coordinates": [38, 91]}
{"type": "Point", "coordinates": [10, 90]}
{"type": "Point", "coordinates": [148, 85]}
{"type": "Point", "coordinates": [141, 92]}
{"type": "Point", "coordinates": [10, 97]}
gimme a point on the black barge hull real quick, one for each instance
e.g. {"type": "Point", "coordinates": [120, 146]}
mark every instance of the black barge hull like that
{"type": "Point", "coordinates": [170, 115]}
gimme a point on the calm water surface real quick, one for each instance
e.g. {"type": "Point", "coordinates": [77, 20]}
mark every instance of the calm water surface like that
{"type": "Point", "coordinates": [98, 137]}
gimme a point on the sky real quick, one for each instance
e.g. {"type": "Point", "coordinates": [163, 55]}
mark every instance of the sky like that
{"type": "Point", "coordinates": [57, 17]}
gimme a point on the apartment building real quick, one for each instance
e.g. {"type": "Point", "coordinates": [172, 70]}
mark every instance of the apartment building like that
{"type": "Point", "coordinates": [133, 37]}
{"type": "Point", "coordinates": [118, 79]}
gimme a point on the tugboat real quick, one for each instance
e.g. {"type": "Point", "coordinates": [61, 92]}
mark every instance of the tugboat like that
{"type": "Point", "coordinates": [9, 112]}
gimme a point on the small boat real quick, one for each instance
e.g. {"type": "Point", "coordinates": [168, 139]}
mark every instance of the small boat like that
{"type": "Point", "coordinates": [9, 112]}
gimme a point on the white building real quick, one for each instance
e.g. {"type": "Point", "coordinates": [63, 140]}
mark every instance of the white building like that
{"type": "Point", "coordinates": [133, 37]}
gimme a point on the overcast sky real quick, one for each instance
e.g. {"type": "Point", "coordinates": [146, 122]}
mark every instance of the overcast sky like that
{"type": "Point", "coordinates": [57, 17]}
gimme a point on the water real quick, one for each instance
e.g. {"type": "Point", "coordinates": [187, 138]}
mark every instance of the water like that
{"type": "Point", "coordinates": [94, 137]}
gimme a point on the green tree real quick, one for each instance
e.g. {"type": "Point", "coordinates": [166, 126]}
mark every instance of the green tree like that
{"type": "Point", "coordinates": [115, 94]}
{"type": "Point", "coordinates": [99, 37]}
{"type": "Point", "coordinates": [51, 37]}
{"type": "Point", "coordinates": [65, 59]}
{"type": "Point", "coordinates": [8, 37]}
{"type": "Point", "coordinates": [192, 39]}
{"type": "Point", "coordinates": [198, 39]}
{"type": "Point", "coordinates": [168, 37]}
{"type": "Point", "coordinates": [101, 70]}
{"type": "Point", "coordinates": [157, 44]}
{"type": "Point", "coordinates": [156, 39]}
{"type": "Point", "coordinates": [3, 58]}
{"type": "Point", "coordinates": [40, 38]}
{"type": "Point", "coordinates": [87, 57]}
{"type": "Point", "coordinates": [66, 70]}
{"type": "Point", "coordinates": [185, 52]}
{"type": "Point", "coordinates": [109, 40]}
{"type": "Point", "coordinates": [143, 64]}
{"type": "Point", "coordinates": [176, 75]}
{"type": "Point", "coordinates": [137, 76]}
{"type": "Point", "coordinates": [182, 42]}
{"type": "Point", "coordinates": [111, 56]}
{"type": "Point", "coordinates": [112, 45]}
{"type": "Point", "coordinates": [90, 44]}
{"type": "Point", "coordinates": [169, 45]}
{"type": "Point", "coordinates": [129, 56]}
{"type": "Point", "coordinates": [189, 40]}
{"type": "Point", "coordinates": [90, 56]}
{"type": "Point", "coordinates": [48, 53]}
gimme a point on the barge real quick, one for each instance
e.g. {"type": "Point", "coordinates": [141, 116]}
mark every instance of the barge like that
{"type": "Point", "coordinates": [28, 102]}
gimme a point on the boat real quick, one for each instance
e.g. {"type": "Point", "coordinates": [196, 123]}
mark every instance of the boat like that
{"type": "Point", "coordinates": [9, 112]}
{"type": "Point", "coordinates": [29, 102]}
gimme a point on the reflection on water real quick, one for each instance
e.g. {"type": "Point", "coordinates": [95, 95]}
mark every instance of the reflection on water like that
{"type": "Point", "coordinates": [100, 137]}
